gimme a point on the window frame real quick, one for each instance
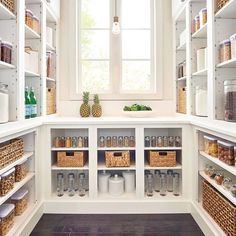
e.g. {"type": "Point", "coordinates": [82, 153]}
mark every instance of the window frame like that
{"type": "Point", "coordinates": [116, 93]}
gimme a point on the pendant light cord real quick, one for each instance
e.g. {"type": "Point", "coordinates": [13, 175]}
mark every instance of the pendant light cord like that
{"type": "Point", "coordinates": [115, 7]}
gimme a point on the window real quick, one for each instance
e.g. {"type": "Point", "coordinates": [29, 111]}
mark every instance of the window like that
{"type": "Point", "coordinates": [124, 65]}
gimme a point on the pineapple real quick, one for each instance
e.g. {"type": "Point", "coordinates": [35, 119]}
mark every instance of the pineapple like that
{"type": "Point", "coordinates": [85, 108]}
{"type": "Point", "coordinates": [96, 108]}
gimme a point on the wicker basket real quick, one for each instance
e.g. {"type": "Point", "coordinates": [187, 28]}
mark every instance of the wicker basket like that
{"type": "Point", "coordinates": [220, 209]}
{"type": "Point", "coordinates": [76, 159]}
{"type": "Point", "coordinates": [51, 101]}
{"type": "Point", "coordinates": [8, 4]}
{"type": "Point", "coordinates": [11, 151]}
{"type": "Point", "coordinates": [162, 158]}
{"type": "Point", "coordinates": [117, 158]}
{"type": "Point", "coordinates": [220, 3]}
{"type": "Point", "coordinates": [182, 100]}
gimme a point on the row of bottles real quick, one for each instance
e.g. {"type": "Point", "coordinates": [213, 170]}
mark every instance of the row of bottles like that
{"type": "Point", "coordinates": [30, 103]}
{"type": "Point", "coordinates": [162, 183]}
{"type": "Point", "coordinates": [72, 184]}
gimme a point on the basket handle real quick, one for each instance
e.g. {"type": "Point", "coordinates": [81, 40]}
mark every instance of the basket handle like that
{"type": "Point", "coordinates": [163, 153]}
{"type": "Point", "coordinates": [117, 154]}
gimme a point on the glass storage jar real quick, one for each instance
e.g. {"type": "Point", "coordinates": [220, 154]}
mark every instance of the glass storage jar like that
{"type": "Point", "coordinates": [160, 141]}
{"type": "Point", "coordinates": [120, 141]}
{"type": "Point", "coordinates": [203, 17]}
{"type": "Point", "coordinates": [131, 141]}
{"type": "Point", "coordinates": [7, 181]}
{"type": "Point", "coordinates": [81, 184]}
{"type": "Point", "coordinates": [126, 141]}
{"type": "Point", "coordinates": [145, 178]}
{"type": "Point", "coordinates": [29, 18]}
{"type": "Point", "coordinates": [227, 183]}
{"type": "Point", "coordinates": [176, 183]}
{"type": "Point", "coordinates": [147, 141]}
{"type": "Point", "coordinates": [153, 141]}
{"type": "Point", "coordinates": [149, 185]}
{"type": "Point", "coordinates": [165, 141]}
{"type": "Point", "coordinates": [68, 143]}
{"type": "Point", "coordinates": [62, 141]}
{"type": "Point", "coordinates": [60, 184]}
{"type": "Point", "coordinates": [170, 180]}
{"type": "Point", "coordinates": [233, 46]}
{"type": "Point", "coordinates": [4, 103]}
{"type": "Point", "coordinates": [163, 185]}
{"type": "Point", "coordinates": [230, 100]}
{"type": "Point", "coordinates": [226, 152]}
{"type": "Point", "coordinates": [74, 142]}
{"type": "Point", "coordinates": [57, 142]}
{"type": "Point", "coordinates": [21, 170]}
{"type": "Point", "coordinates": [171, 141]}
{"type": "Point", "coordinates": [114, 141]}
{"type": "Point", "coordinates": [233, 190]}
{"type": "Point", "coordinates": [6, 52]}
{"type": "Point", "coordinates": [71, 184]}
{"type": "Point", "coordinates": [85, 143]}
{"type": "Point", "coordinates": [6, 218]}
{"type": "Point", "coordinates": [35, 24]}
{"type": "Point", "coordinates": [210, 146]}
{"type": "Point", "coordinates": [20, 200]}
{"type": "Point", "coordinates": [196, 23]}
{"type": "Point", "coordinates": [157, 180]}
{"type": "Point", "coordinates": [108, 141]}
{"type": "Point", "coordinates": [80, 142]}
{"type": "Point", "coordinates": [101, 142]}
{"type": "Point", "coordinates": [177, 141]}
{"type": "Point", "coordinates": [225, 50]}
{"type": "Point", "coordinates": [219, 178]}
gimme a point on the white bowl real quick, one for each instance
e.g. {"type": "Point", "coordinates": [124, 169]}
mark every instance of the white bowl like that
{"type": "Point", "coordinates": [138, 114]}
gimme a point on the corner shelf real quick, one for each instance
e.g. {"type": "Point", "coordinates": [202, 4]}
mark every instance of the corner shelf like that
{"type": "Point", "coordinates": [31, 34]}
{"type": "Point", "coordinates": [177, 167]}
{"type": "Point", "coordinates": [4, 65]}
{"type": "Point", "coordinates": [201, 33]}
{"type": "Point", "coordinates": [231, 169]}
{"type": "Point", "coordinates": [228, 11]}
{"type": "Point", "coordinates": [227, 64]}
{"type": "Point", "coordinates": [5, 13]}
{"type": "Point", "coordinates": [226, 193]}
{"type": "Point", "coordinates": [200, 73]}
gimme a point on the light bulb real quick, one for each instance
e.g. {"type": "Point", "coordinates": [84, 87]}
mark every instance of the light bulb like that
{"type": "Point", "coordinates": [116, 25]}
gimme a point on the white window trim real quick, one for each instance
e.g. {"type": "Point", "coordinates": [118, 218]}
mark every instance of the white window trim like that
{"type": "Point", "coordinates": [73, 60]}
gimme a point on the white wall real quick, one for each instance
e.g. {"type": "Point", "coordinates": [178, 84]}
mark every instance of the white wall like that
{"type": "Point", "coordinates": [67, 107]}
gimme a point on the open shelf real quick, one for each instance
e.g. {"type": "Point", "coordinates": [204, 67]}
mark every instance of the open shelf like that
{"type": "Point", "coordinates": [168, 196]}
{"type": "Point", "coordinates": [31, 74]}
{"type": "Point", "coordinates": [85, 167]}
{"type": "Point", "coordinates": [228, 11]}
{"type": "Point", "coordinates": [50, 16]}
{"type": "Point", "coordinates": [50, 47]}
{"type": "Point", "coordinates": [200, 73]}
{"type": "Point", "coordinates": [231, 169]}
{"type": "Point", "coordinates": [177, 167]}
{"type": "Point", "coordinates": [227, 64]}
{"type": "Point", "coordinates": [69, 149]}
{"type": "Point", "coordinates": [102, 166]}
{"type": "Point", "coordinates": [50, 79]}
{"type": "Point", "coordinates": [124, 196]}
{"type": "Point", "coordinates": [17, 186]}
{"type": "Point", "coordinates": [163, 148]}
{"type": "Point", "coordinates": [25, 157]}
{"type": "Point", "coordinates": [31, 34]}
{"type": "Point", "coordinates": [6, 14]}
{"type": "Point", "coordinates": [226, 193]}
{"type": "Point", "coordinates": [201, 33]}
{"type": "Point", "coordinates": [4, 65]}
{"type": "Point", "coordinates": [65, 197]}
{"type": "Point", "coordinates": [116, 148]}
{"type": "Point", "coordinates": [181, 47]}
{"type": "Point", "coordinates": [181, 79]}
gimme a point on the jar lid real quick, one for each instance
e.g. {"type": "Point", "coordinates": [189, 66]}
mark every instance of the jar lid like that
{"type": "Point", "coordinates": [229, 82]}
{"type": "Point", "coordinates": [22, 162]}
{"type": "Point", "coordinates": [29, 11]}
{"type": "Point", "coordinates": [210, 138]}
{"type": "Point", "coordinates": [20, 194]}
{"type": "Point", "coordinates": [104, 174]}
{"type": "Point", "coordinates": [7, 43]}
{"type": "Point", "coordinates": [225, 144]}
{"type": "Point", "coordinates": [6, 209]}
{"type": "Point", "coordinates": [35, 17]}
{"type": "Point", "coordinates": [116, 178]}
{"type": "Point", "coordinates": [233, 37]}
{"type": "Point", "coordinates": [8, 172]}
{"type": "Point", "coordinates": [226, 41]}
{"type": "Point", "coordinates": [128, 172]}
{"type": "Point", "coordinates": [60, 175]}
{"type": "Point", "coordinates": [169, 171]}
{"type": "Point", "coordinates": [203, 9]}
{"type": "Point", "coordinates": [196, 17]}
{"type": "Point", "coordinates": [157, 172]}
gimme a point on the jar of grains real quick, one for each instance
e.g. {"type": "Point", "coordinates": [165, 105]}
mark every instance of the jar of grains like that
{"type": "Point", "coordinates": [196, 23]}
{"type": "Point", "coordinates": [225, 50]}
{"type": "Point", "coordinates": [233, 45]}
{"type": "Point", "coordinates": [230, 100]}
{"type": "Point", "coordinates": [203, 17]}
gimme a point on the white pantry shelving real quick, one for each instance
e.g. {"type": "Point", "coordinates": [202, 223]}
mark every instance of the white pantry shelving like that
{"type": "Point", "coordinates": [4, 65]}
{"type": "Point", "coordinates": [5, 13]}
{"type": "Point", "coordinates": [201, 33]}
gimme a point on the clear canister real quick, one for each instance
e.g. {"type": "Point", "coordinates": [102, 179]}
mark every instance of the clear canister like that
{"type": "Point", "coordinates": [163, 184]}
{"type": "Point", "coordinates": [82, 184]}
{"type": "Point", "coordinates": [68, 143]}
{"type": "Point", "coordinates": [149, 185]}
{"type": "Point", "coordinates": [153, 141]}
{"type": "Point", "coordinates": [131, 141]}
{"type": "Point", "coordinates": [60, 184]}
{"type": "Point", "coordinates": [29, 18]}
{"type": "Point", "coordinates": [21, 170]}
{"type": "Point", "coordinates": [203, 17]}
{"type": "Point", "coordinates": [157, 181]}
{"type": "Point", "coordinates": [108, 141]}
{"type": "Point", "coordinates": [6, 52]}
{"type": "Point", "coordinates": [210, 146]}
{"type": "Point", "coordinates": [114, 141]}
{"type": "Point", "coordinates": [226, 152]}
{"type": "Point", "coordinates": [6, 218]}
{"type": "Point", "coordinates": [196, 23]}
{"type": "Point", "coordinates": [176, 184]}
{"type": "Point", "coordinates": [35, 24]}
{"type": "Point", "coordinates": [230, 100]}
{"type": "Point", "coordinates": [147, 142]}
{"type": "Point", "coordinates": [80, 142]}
{"type": "Point", "coordinates": [170, 180]}
{"type": "Point", "coordinates": [225, 50]}
{"type": "Point", "coordinates": [20, 200]}
{"type": "Point", "coordinates": [71, 184]}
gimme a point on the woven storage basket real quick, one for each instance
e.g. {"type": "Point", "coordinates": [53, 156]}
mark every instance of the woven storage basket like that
{"type": "Point", "coordinates": [76, 159]}
{"type": "Point", "coordinates": [162, 158]}
{"type": "Point", "coordinates": [8, 4]}
{"type": "Point", "coordinates": [11, 151]}
{"type": "Point", "coordinates": [51, 101]}
{"type": "Point", "coordinates": [182, 100]}
{"type": "Point", "coordinates": [220, 209]}
{"type": "Point", "coordinates": [117, 158]}
{"type": "Point", "coordinates": [221, 3]}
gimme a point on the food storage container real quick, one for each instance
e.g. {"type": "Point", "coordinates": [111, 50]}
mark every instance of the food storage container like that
{"type": "Point", "coordinates": [147, 141]}
{"type": "Point", "coordinates": [29, 18]}
{"type": "Point", "coordinates": [177, 141]}
{"type": "Point", "coordinates": [163, 184]}
{"type": "Point", "coordinates": [116, 185]}
{"type": "Point", "coordinates": [129, 177]}
{"type": "Point", "coordinates": [160, 141]}
{"type": "Point", "coordinates": [6, 52]}
{"type": "Point", "coordinates": [103, 181]}
{"type": "Point", "coordinates": [114, 141]}
{"type": "Point", "coordinates": [153, 141]}
{"type": "Point", "coordinates": [4, 103]}
{"type": "Point", "coordinates": [71, 185]}
{"type": "Point", "coordinates": [176, 184]}
{"type": "Point", "coordinates": [6, 218]}
{"type": "Point", "coordinates": [226, 153]}
{"type": "Point", "coordinates": [101, 142]}
{"type": "Point", "coordinates": [7, 182]}
{"type": "Point", "coordinates": [157, 180]}
{"type": "Point", "coordinates": [201, 59]}
{"type": "Point", "coordinates": [225, 50]}
{"type": "Point", "coordinates": [108, 141]}
{"type": "Point", "coordinates": [165, 141]}
{"type": "Point", "coordinates": [227, 183]}
{"type": "Point", "coordinates": [49, 36]}
{"type": "Point", "coordinates": [230, 100]}
{"type": "Point", "coordinates": [210, 146]}
{"type": "Point", "coordinates": [203, 17]}
{"type": "Point", "coordinates": [60, 184]}
{"type": "Point", "coordinates": [219, 178]}
{"type": "Point", "coordinates": [86, 142]}
{"type": "Point", "coordinates": [170, 180]}
{"type": "Point", "coordinates": [150, 185]}
{"type": "Point", "coordinates": [21, 170]}
{"type": "Point", "coordinates": [82, 184]}
{"type": "Point", "coordinates": [201, 101]}
{"type": "Point", "coordinates": [35, 24]}
{"type": "Point", "coordinates": [171, 141]}
{"type": "Point", "coordinates": [51, 64]}
{"type": "Point", "coordinates": [233, 45]}
{"type": "Point", "coordinates": [131, 141]}
{"type": "Point", "coordinates": [126, 141]}
{"type": "Point", "coordinates": [80, 142]}
{"type": "Point", "coordinates": [31, 60]}
{"type": "Point", "coordinates": [68, 142]}
{"type": "Point", "coordinates": [196, 23]}
{"type": "Point", "coordinates": [20, 200]}
{"type": "Point", "coordinates": [233, 190]}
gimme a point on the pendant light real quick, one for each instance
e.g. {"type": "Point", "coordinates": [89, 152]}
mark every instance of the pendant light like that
{"type": "Point", "coordinates": [116, 24]}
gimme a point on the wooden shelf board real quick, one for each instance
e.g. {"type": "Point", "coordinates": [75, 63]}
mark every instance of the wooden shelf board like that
{"type": "Point", "coordinates": [231, 169]}
{"type": "Point", "coordinates": [102, 166]}
{"type": "Point", "coordinates": [31, 34]}
{"type": "Point", "coordinates": [163, 148]}
{"type": "Point", "coordinates": [4, 65]}
{"type": "Point", "coordinates": [31, 74]}
{"type": "Point", "coordinates": [26, 155]}
{"type": "Point", "coordinates": [200, 73]}
{"type": "Point", "coordinates": [69, 149]}
{"type": "Point", "coordinates": [116, 148]}
{"type": "Point", "coordinates": [201, 33]}
{"type": "Point", "coordinates": [177, 167]}
{"type": "Point", "coordinates": [5, 13]}
{"type": "Point", "coordinates": [227, 64]}
{"type": "Point", "coordinates": [55, 167]}
{"type": "Point", "coordinates": [228, 11]}
{"type": "Point", "coordinates": [17, 186]}
{"type": "Point", "coordinates": [226, 193]}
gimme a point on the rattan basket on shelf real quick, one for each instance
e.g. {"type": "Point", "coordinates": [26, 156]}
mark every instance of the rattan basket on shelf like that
{"type": "Point", "coordinates": [9, 4]}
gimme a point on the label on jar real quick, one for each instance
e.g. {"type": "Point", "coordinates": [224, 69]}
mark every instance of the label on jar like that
{"type": "Point", "coordinates": [27, 110]}
{"type": "Point", "coordinates": [34, 109]}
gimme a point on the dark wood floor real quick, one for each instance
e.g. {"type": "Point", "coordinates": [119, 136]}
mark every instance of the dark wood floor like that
{"type": "Point", "coordinates": [127, 225]}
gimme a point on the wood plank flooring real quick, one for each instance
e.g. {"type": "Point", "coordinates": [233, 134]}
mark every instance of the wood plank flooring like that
{"type": "Point", "coordinates": [117, 225]}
